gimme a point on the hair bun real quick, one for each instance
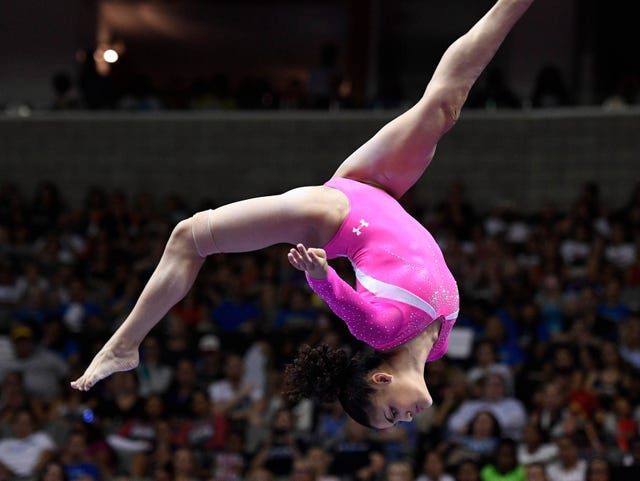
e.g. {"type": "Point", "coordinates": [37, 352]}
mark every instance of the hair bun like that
{"type": "Point", "coordinates": [317, 373]}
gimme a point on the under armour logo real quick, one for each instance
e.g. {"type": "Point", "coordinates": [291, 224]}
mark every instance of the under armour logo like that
{"type": "Point", "coordinates": [356, 230]}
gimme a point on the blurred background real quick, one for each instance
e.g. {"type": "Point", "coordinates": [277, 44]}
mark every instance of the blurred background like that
{"type": "Point", "coordinates": [281, 54]}
{"type": "Point", "coordinates": [120, 118]}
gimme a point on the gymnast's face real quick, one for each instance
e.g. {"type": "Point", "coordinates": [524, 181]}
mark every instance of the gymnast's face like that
{"type": "Point", "coordinates": [398, 398]}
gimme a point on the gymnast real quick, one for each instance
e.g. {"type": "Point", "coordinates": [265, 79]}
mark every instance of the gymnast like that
{"type": "Point", "coordinates": [406, 300]}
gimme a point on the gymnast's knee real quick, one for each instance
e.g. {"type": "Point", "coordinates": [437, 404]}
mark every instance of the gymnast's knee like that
{"type": "Point", "coordinates": [201, 234]}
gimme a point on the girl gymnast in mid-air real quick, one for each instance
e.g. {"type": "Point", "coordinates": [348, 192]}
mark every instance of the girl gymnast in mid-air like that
{"type": "Point", "coordinates": [405, 301]}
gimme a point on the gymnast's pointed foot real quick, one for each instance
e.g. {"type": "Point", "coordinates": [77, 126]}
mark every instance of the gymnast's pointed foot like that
{"type": "Point", "coordinates": [113, 357]}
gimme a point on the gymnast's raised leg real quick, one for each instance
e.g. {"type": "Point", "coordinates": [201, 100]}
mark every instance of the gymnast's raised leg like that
{"type": "Point", "coordinates": [395, 158]}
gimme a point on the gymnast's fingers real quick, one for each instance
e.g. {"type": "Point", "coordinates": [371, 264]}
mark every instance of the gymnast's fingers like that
{"type": "Point", "coordinates": [294, 259]}
{"type": "Point", "coordinates": [304, 253]}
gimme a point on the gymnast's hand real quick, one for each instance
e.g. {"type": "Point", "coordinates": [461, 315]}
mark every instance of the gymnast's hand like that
{"type": "Point", "coordinates": [313, 261]}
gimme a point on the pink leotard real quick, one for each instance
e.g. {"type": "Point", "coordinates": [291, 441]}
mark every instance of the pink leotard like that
{"type": "Point", "coordinates": [402, 281]}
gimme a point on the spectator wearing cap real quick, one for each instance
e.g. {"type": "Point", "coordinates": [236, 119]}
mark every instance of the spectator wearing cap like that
{"type": "Point", "coordinates": [42, 371]}
{"type": "Point", "coordinates": [209, 364]}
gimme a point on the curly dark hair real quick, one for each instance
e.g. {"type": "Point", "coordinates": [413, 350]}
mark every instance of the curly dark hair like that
{"type": "Point", "coordinates": [325, 374]}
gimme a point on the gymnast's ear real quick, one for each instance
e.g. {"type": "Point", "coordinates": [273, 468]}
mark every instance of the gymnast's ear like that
{"type": "Point", "coordinates": [381, 377]}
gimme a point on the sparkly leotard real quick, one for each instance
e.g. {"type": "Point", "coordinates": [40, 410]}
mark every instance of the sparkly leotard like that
{"type": "Point", "coordinates": [402, 281]}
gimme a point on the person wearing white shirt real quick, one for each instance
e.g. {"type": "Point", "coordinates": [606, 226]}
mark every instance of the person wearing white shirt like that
{"type": "Point", "coordinates": [27, 450]}
{"type": "Point", "coordinates": [232, 396]}
{"type": "Point", "coordinates": [532, 449]}
{"type": "Point", "coordinates": [509, 411]}
{"type": "Point", "coordinates": [569, 467]}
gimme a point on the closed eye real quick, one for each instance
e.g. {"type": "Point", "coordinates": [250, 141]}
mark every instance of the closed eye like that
{"type": "Point", "coordinates": [393, 416]}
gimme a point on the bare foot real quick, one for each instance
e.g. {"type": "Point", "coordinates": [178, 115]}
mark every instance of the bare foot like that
{"type": "Point", "coordinates": [106, 362]}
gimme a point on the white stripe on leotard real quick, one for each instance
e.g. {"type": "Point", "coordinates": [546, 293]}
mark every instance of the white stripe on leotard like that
{"type": "Point", "coordinates": [389, 291]}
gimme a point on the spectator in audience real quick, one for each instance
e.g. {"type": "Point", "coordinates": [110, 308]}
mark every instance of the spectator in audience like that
{"type": "Point", "coordinates": [331, 424]}
{"type": "Point", "coordinates": [155, 457]}
{"type": "Point", "coordinates": [259, 474]}
{"type": "Point", "coordinates": [31, 278]}
{"type": "Point", "coordinates": [502, 331]}
{"type": "Point", "coordinates": [154, 377]}
{"type": "Point", "coordinates": [611, 376]}
{"type": "Point", "coordinates": [178, 398]}
{"type": "Point", "coordinates": [42, 371]}
{"type": "Point", "coordinates": [620, 250]}
{"type": "Point", "coordinates": [231, 462]}
{"type": "Point", "coordinates": [618, 424]}
{"type": "Point", "coordinates": [52, 471]}
{"type": "Point", "coordinates": [57, 339]}
{"type": "Point", "coordinates": [232, 396]}
{"type": "Point", "coordinates": [119, 401]}
{"type": "Point", "coordinates": [76, 460]}
{"type": "Point", "coordinates": [205, 430]}
{"type": "Point", "coordinates": [320, 461]}
{"type": "Point", "coordinates": [177, 343]}
{"type": "Point", "coordinates": [599, 470]}
{"type": "Point", "coordinates": [509, 411]}
{"type": "Point", "coordinates": [478, 443]}
{"type": "Point", "coordinates": [433, 468]}
{"type": "Point", "coordinates": [302, 470]}
{"type": "Point", "coordinates": [183, 466]}
{"type": "Point", "coordinates": [79, 309]}
{"type": "Point", "coordinates": [25, 453]}
{"type": "Point", "coordinates": [468, 470]}
{"type": "Point", "coordinates": [355, 456]}
{"type": "Point", "coordinates": [630, 341]}
{"type": "Point", "coordinates": [552, 411]}
{"type": "Point", "coordinates": [533, 449]}
{"type": "Point", "coordinates": [536, 472]}
{"type": "Point", "coordinates": [628, 467]}
{"type": "Point", "coordinates": [453, 393]}
{"type": "Point", "coordinates": [209, 365]}
{"type": "Point", "coordinates": [505, 465]}
{"type": "Point", "coordinates": [13, 399]}
{"type": "Point", "coordinates": [569, 466]}
{"type": "Point", "coordinates": [399, 471]}
{"type": "Point", "coordinates": [486, 362]}
{"type": "Point", "coordinates": [280, 448]}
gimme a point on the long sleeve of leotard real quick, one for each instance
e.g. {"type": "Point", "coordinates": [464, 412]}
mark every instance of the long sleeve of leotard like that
{"type": "Point", "coordinates": [371, 322]}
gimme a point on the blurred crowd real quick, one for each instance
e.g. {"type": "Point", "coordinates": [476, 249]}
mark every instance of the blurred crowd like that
{"type": "Point", "coordinates": [542, 381]}
{"type": "Point", "coordinates": [326, 86]}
